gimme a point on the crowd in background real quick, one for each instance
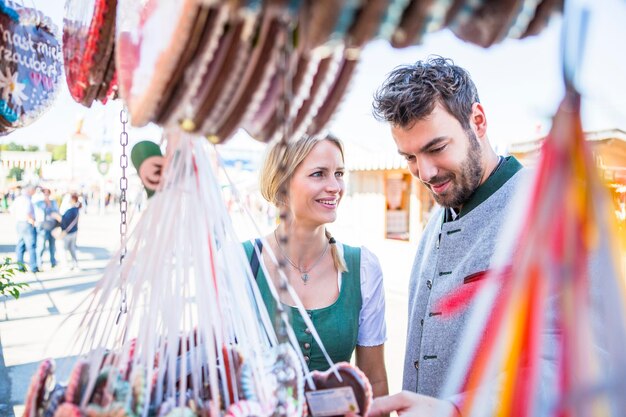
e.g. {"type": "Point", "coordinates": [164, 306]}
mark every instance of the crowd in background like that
{"type": "Point", "coordinates": [43, 217]}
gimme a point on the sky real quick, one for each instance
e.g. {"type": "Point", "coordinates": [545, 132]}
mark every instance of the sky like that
{"type": "Point", "coordinates": [519, 82]}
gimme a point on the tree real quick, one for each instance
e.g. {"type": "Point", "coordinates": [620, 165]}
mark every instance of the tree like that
{"type": "Point", "coordinates": [13, 147]}
{"type": "Point", "coordinates": [59, 152]}
{"type": "Point", "coordinates": [16, 172]}
{"type": "Point", "coordinates": [108, 157]}
{"type": "Point", "coordinates": [7, 272]}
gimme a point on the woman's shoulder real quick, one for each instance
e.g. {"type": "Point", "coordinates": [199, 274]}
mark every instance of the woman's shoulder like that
{"type": "Point", "coordinates": [70, 211]}
{"type": "Point", "coordinates": [369, 258]}
{"type": "Point", "coordinates": [365, 253]}
{"type": "Point", "coordinates": [346, 247]}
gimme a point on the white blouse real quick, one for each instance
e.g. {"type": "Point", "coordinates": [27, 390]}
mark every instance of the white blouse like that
{"type": "Point", "coordinates": [372, 326]}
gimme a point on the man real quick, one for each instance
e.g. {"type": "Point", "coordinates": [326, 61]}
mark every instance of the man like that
{"type": "Point", "coordinates": [440, 127]}
{"type": "Point", "coordinates": [23, 211]}
{"type": "Point", "coordinates": [47, 217]}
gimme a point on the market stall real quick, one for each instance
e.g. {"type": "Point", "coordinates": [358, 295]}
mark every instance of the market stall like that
{"type": "Point", "coordinates": [176, 325]}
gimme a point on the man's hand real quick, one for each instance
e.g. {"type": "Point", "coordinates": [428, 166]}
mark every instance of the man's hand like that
{"type": "Point", "coordinates": [410, 404]}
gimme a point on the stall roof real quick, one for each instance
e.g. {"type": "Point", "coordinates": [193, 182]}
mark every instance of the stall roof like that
{"type": "Point", "coordinates": [615, 136]}
{"type": "Point", "coordinates": [363, 158]}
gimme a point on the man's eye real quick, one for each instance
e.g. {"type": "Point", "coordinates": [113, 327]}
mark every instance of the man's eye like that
{"type": "Point", "coordinates": [439, 149]}
{"type": "Point", "coordinates": [409, 158]}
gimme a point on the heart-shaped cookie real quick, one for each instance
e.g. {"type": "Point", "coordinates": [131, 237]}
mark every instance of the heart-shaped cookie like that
{"type": "Point", "coordinates": [31, 67]}
{"type": "Point", "coordinates": [351, 377]}
{"type": "Point", "coordinates": [88, 52]}
{"type": "Point", "coordinates": [77, 382]}
{"type": "Point", "coordinates": [38, 387]}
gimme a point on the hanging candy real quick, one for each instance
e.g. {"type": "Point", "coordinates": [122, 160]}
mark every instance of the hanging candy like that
{"type": "Point", "coordinates": [37, 389]}
{"type": "Point", "coordinates": [31, 65]}
{"type": "Point", "coordinates": [88, 50]}
{"type": "Point", "coordinates": [342, 389]}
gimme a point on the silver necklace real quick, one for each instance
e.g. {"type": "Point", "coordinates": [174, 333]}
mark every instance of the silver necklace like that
{"type": "Point", "coordinates": [304, 273]}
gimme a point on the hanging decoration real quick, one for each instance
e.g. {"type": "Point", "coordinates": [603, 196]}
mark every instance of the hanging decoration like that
{"type": "Point", "coordinates": [346, 390]}
{"type": "Point", "coordinates": [30, 65]}
{"type": "Point", "coordinates": [548, 325]}
{"type": "Point", "coordinates": [194, 336]}
{"type": "Point", "coordinates": [88, 50]}
{"type": "Point", "coordinates": [212, 67]}
{"type": "Point", "coordinates": [553, 336]}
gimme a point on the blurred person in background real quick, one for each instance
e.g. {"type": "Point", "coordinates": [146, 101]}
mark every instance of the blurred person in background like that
{"type": "Point", "coordinates": [24, 212]}
{"type": "Point", "coordinates": [69, 224]}
{"type": "Point", "coordinates": [4, 204]}
{"type": "Point", "coordinates": [47, 217]}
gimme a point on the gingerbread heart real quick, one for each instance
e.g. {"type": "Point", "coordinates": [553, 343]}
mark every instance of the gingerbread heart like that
{"type": "Point", "coordinates": [351, 377]}
{"type": "Point", "coordinates": [38, 387]}
{"type": "Point", "coordinates": [88, 52]}
{"type": "Point", "coordinates": [31, 67]}
{"type": "Point", "coordinates": [77, 382]}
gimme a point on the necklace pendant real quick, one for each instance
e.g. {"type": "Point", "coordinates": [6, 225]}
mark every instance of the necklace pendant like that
{"type": "Point", "coordinates": [305, 277]}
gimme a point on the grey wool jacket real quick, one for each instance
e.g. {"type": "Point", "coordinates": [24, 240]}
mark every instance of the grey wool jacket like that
{"type": "Point", "coordinates": [447, 254]}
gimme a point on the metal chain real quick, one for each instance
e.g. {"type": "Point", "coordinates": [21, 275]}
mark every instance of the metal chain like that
{"type": "Point", "coordinates": [284, 71]}
{"type": "Point", "coordinates": [123, 209]}
{"type": "Point", "coordinates": [283, 368]}
{"type": "Point", "coordinates": [282, 112]}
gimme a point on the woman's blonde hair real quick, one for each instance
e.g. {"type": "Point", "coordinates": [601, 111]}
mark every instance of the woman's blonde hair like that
{"type": "Point", "coordinates": [278, 167]}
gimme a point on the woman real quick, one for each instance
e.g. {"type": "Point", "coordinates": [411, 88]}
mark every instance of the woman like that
{"type": "Point", "coordinates": [69, 224]}
{"type": "Point", "coordinates": [340, 286]}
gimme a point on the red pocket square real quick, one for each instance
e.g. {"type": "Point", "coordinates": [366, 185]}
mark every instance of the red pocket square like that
{"type": "Point", "coordinates": [476, 276]}
{"type": "Point", "coordinates": [460, 298]}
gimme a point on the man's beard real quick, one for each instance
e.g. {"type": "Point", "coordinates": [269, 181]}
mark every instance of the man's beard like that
{"type": "Point", "coordinates": [463, 184]}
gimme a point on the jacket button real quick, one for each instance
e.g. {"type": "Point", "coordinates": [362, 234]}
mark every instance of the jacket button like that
{"type": "Point", "coordinates": [307, 359]}
{"type": "Point", "coordinates": [307, 345]}
{"type": "Point", "coordinates": [416, 364]}
{"type": "Point", "coordinates": [307, 331]}
{"type": "Point", "coordinates": [422, 322]}
{"type": "Point", "coordinates": [429, 284]}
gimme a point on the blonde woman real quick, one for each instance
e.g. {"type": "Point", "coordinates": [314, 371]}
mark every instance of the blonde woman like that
{"type": "Point", "coordinates": [340, 286]}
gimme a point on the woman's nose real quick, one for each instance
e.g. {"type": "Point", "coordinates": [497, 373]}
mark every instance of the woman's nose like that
{"type": "Point", "coordinates": [334, 184]}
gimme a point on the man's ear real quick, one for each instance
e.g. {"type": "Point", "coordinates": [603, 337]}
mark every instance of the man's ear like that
{"type": "Point", "coordinates": [478, 120]}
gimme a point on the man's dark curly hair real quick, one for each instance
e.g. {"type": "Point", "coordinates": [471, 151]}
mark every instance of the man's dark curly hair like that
{"type": "Point", "coordinates": [411, 92]}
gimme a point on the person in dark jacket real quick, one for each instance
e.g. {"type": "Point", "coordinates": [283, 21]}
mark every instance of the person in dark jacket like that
{"type": "Point", "coordinates": [69, 224]}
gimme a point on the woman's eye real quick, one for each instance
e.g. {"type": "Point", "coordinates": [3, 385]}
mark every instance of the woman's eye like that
{"type": "Point", "coordinates": [339, 174]}
{"type": "Point", "coordinates": [317, 174]}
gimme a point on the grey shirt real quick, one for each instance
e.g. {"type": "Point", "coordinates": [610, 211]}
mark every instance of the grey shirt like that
{"type": "Point", "coordinates": [447, 253]}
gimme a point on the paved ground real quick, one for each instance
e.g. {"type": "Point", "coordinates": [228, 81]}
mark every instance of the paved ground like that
{"type": "Point", "coordinates": [31, 328]}
{"type": "Point", "coordinates": [41, 324]}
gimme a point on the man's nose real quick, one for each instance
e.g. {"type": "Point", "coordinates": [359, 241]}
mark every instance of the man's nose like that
{"type": "Point", "coordinates": [425, 170]}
